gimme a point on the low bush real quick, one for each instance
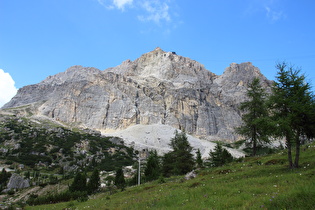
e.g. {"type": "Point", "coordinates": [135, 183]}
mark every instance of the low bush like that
{"type": "Point", "coordinates": [58, 197]}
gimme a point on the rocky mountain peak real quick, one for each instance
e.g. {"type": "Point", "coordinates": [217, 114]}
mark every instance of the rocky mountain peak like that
{"type": "Point", "coordinates": [167, 66]}
{"type": "Point", "coordinates": [74, 73]}
{"type": "Point", "coordinates": [241, 75]}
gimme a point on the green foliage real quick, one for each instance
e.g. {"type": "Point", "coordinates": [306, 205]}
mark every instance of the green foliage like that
{"type": "Point", "coordinates": [120, 179]}
{"type": "Point", "coordinates": [79, 183]}
{"type": "Point", "coordinates": [256, 121]}
{"type": "Point", "coordinates": [180, 160]}
{"type": "Point", "coordinates": [94, 182]}
{"type": "Point", "coordinates": [293, 109]}
{"type": "Point", "coordinates": [240, 185]}
{"type": "Point", "coordinates": [46, 146]}
{"type": "Point", "coordinates": [220, 156]}
{"type": "Point", "coordinates": [57, 197]}
{"type": "Point", "coordinates": [27, 174]}
{"type": "Point", "coordinates": [153, 167]}
{"type": "Point", "coordinates": [199, 160]}
{"type": "Point", "coordinates": [4, 178]}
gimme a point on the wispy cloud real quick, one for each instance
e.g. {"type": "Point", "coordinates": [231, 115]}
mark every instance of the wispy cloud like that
{"type": "Point", "coordinates": [149, 10]}
{"type": "Point", "coordinates": [120, 4]}
{"type": "Point", "coordinates": [156, 11]}
{"type": "Point", "coordinates": [273, 10]}
{"type": "Point", "coordinates": [115, 4]}
{"type": "Point", "coordinates": [274, 15]}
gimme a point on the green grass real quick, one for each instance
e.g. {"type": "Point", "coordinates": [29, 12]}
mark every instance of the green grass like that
{"type": "Point", "coordinates": [248, 185]}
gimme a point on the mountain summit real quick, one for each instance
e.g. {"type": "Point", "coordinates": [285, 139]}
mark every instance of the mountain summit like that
{"type": "Point", "coordinates": [158, 88]}
{"type": "Point", "coordinates": [165, 66]}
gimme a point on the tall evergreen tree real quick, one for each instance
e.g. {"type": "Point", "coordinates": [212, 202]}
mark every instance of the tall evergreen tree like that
{"type": "Point", "coordinates": [219, 156]}
{"type": "Point", "coordinates": [79, 183]}
{"type": "Point", "coordinates": [153, 167]}
{"type": "Point", "coordinates": [94, 182]}
{"type": "Point", "coordinates": [180, 160]}
{"type": "Point", "coordinates": [120, 179]}
{"type": "Point", "coordinates": [4, 177]}
{"type": "Point", "coordinates": [292, 103]}
{"type": "Point", "coordinates": [255, 119]}
{"type": "Point", "coordinates": [199, 160]}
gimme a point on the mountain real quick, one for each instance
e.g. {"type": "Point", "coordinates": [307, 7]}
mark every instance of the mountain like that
{"type": "Point", "coordinates": [158, 88]}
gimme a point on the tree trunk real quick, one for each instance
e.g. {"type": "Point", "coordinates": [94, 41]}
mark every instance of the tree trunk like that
{"type": "Point", "coordinates": [254, 142]}
{"type": "Point", "coordinates": [254, 146]}
{"type": "Point", "coordinates": [297, 150]}
{"type": "Point", "coordinates": [288, 142]}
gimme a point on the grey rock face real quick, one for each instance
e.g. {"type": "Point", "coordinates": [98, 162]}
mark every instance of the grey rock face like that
{"type": "Point", "coordinates": [157, 88]}
{"type": "Point", "coordinates": [17, 182]}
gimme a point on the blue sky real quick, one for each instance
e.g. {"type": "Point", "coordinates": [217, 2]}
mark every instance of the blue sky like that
{"type": "Point", "coordinates": [39, 38]}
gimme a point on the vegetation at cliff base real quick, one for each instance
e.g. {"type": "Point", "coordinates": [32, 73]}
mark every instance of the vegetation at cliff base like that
{"type": "Point", "coordinates": [254, 183]}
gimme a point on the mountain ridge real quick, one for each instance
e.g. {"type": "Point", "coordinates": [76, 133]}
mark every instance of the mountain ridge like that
{"type": "Point", "coordinates": [158, 88]}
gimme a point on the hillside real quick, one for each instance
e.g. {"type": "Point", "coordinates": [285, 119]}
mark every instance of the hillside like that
{"type": "Point", "coordinates": [38, 144]}
{"type": "Point", "coordinates": [254, 183]}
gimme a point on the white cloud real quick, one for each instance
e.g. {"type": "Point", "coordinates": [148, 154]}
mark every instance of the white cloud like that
{"type": "Point", "coordinates": [112, 4]}
{"type": "Point", "coordinates": [274, 15]}
{"type": "Point", "coordinates": [151, 10]}
{"type": "Point", "coordinates": [273, 10]}
{"type": "Point", "coordinates": [120, 4]}
{"type": "Point", "coordinates": [156, 11]}
{"type": "Point", "coordinates": [7, 88]}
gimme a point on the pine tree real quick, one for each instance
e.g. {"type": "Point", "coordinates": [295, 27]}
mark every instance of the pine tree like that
{"type": "Point", "coordinates": [293, 109]}
{"type": "Point", "coordinates": [94, 182]}
{"type": "Point", "coordinates": [180, 160]}
{"type": "Point", "coordinates": [199, 160]}
{"type": "Point", "coordinates": [153, 167]}
{"type": "Point", "coordinates": [220, 156]}
{"type": "Point", "coordinates": [27, 174]}
{"type": "Point", "coordinates": [79, 183]}
{"type": "Point", "coordinates": [4, 177]}
{"type": "Point", "coordinates": [255, 119]}
{"type": "Point", "coordinates": [120, 179]}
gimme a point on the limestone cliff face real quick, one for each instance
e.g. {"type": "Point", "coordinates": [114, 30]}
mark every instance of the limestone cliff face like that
{"type": "Point", "coordinates": [157, 88]}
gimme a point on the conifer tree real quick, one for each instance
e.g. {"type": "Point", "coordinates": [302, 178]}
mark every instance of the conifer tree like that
{"type": "Point", "coordinates": [79, 183]}
{"type": "Point", "coordinates": [4, 177]}
{"type": "Point", "coordinates": [153, 167]}
{"type": "Point", "coordinates": [94, 182]}
{"type": "Point", "coordinates": [293, 109]}
{"type": "Point", "coordinates": [255, 119]}
{"type": "Point", "coordinates": [120, 179]}
{"type": "Point", "coordinates": [220, 156]}
{"type": "Point", "coordinates": [180, 160]}
{"type": "Point", "coordinates": [199, 160]}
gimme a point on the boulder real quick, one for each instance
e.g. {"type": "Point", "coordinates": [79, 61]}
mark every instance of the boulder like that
{"type": "Point", "coordinates": [17, 182]}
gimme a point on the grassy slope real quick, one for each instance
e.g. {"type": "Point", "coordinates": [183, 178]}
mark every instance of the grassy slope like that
{"type": "Point", "coordinates": [248, 185]}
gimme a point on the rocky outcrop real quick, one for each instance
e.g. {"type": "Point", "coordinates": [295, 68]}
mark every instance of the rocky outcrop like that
{"type": "Point", "coordinates": [157, 88]}
{"type": "Point", "coordinates": [17, 182]}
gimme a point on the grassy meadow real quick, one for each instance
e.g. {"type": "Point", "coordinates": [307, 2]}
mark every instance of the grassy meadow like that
{"type": "Point", "coordinates": [263, 182]}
